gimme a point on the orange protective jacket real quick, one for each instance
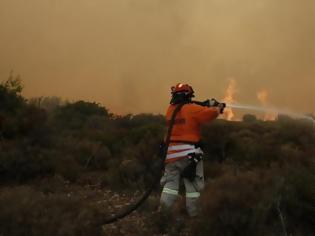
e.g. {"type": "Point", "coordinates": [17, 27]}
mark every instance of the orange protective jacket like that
{"type": "Point", "coordinates": [189, 120]}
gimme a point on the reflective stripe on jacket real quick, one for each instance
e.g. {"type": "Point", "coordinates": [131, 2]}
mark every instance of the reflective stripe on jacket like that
{"type": "Point", "coordinates": [180, 151]}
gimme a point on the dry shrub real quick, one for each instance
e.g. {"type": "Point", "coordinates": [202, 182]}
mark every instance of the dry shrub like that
{"type": "Point", "coordinates": [165, 222]}
{"type": "Point", "coordinates": [111, 177]}
{"type": "Point", "coordinates": [161, 222]}
{"type": "Point", "coordinates": [100, 158]}
{"type": "Point", "coordinates": [168, 221]}
{"type": "Point", "coordinates": [276, 200]}
{"type": "Point", "coordinates": [298, 198]}
{"type": "Point", "coordinates": [240, 204]}
{"type": "Point", "coordinates": [19, 162]}
{"type": "Point", "coordinates": [214, 170]}
{"type": "Point", "coordinates": [132, 173]}
{"type": "Point", "coordinates": [50, 185]}
{"type": "Point", "coordinates": [68, 167]}
{"type": "Point", "coordinates": [27, 212]}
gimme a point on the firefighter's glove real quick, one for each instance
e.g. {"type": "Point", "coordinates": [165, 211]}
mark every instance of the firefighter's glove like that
{"type": "Point", "coordinates": [205, 103]}
{"type": "Point", "coordinates": [222, 106]}
{"type": "Point", "coordinates": [213, 103]}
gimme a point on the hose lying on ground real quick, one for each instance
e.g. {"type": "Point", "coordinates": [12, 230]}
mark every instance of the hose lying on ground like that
{"type": "Point", "coordinates": [125, 212]}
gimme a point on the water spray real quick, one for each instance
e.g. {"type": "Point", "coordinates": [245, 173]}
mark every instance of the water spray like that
{"type": "Point", "coordinates": [271, 110]}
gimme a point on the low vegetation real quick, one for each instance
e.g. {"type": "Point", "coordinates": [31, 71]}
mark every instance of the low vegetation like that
{"type": "Point", "coordinates": [260, 175]}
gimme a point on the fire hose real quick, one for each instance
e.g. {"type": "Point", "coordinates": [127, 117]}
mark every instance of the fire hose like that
{"type": "Point", "coordinates": [136, 205]}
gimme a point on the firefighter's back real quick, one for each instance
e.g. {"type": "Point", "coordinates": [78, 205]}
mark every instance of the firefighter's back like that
{"type": "Point", "coordinates": [188, 121]}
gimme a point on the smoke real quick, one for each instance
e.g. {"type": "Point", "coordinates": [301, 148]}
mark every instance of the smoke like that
{"type": "Point", "coordinates": [127, 54]}
{"type": "Point", "coordinates": [263, 98]}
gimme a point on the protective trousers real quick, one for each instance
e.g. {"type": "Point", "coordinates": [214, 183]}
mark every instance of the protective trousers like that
{"type": "Point", "coordinates": [171, 182]}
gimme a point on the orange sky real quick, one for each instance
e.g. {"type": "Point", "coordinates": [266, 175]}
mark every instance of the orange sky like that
{"type": "Point", "coordinates": [126, 54]}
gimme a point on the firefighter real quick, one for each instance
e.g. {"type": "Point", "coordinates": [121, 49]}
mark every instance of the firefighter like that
{"type": "Point", "coordinates": [184, 154]}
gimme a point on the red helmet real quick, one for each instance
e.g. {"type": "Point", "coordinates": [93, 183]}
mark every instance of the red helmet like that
{"type": "Point", "coordinates": [182, 88]}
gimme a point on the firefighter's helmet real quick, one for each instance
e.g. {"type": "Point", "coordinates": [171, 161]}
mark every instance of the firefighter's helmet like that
{"type": "Point", "coordinates": [182, 88]}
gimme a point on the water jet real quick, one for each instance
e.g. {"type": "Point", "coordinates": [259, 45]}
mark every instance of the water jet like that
{"type": "Point", "coordinates": [271, 110]}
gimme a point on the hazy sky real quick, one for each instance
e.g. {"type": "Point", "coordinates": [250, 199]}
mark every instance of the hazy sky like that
{"type": "Point", "coordinates": [126, 54]}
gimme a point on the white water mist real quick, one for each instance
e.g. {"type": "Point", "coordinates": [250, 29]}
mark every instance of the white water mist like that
{"type": "Point", "coordinates": [270, 110]}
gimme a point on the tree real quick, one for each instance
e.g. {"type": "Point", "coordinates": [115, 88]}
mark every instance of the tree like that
{"type": "Point", "coordinates": [10, 95]}
{"type": "Point", "coordinates": [76, 115]}
{"type": "Point", "coordinates": [13, 84]}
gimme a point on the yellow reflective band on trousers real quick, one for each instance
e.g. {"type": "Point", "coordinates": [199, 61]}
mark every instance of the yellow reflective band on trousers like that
{"type": "Point", "coordinates": [170, 191]}
{"type": "Point", "coordinates": [193, 195]}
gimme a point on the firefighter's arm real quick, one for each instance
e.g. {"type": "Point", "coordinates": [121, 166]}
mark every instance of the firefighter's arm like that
{"type": "Point", "coordinates": [206, 114]}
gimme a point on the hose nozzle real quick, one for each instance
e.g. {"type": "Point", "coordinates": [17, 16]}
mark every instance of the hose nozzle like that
{"type": "Point", "coordinates": [214, 103]}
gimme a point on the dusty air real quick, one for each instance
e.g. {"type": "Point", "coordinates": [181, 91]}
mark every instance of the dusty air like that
{"type": "Point", "coordinates": [160, 117]}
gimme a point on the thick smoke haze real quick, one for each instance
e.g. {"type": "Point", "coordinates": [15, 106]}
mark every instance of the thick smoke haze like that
{"type": "Point", "coordinates": [126, 54]}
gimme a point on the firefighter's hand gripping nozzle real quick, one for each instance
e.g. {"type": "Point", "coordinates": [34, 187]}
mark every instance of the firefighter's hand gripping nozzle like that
{"type": "Point", "coordinates": [220, 105]}
{"type": "Point", "coordinates": [214, 103]}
